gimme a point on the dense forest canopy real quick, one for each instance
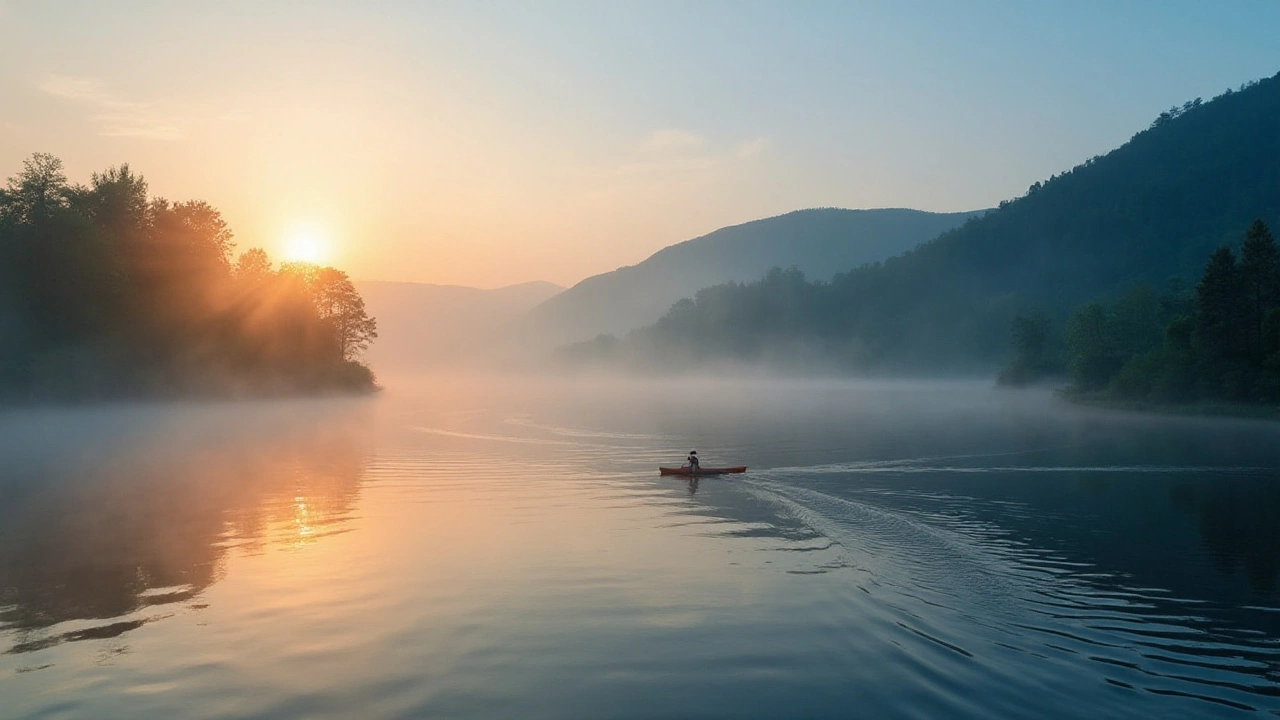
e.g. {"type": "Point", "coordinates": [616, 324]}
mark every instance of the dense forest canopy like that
{"type": "Point", "coordinates": [1148, 211]}
{"type": "Point", "coordinates": [1217, 342]}
{"type": "Point", "coordinates": [106, 291]}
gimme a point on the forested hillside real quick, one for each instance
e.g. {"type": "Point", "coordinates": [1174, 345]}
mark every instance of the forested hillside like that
{"type": "Point", "coordinates": [1218, 342]}
{"type": "Point", "coordinates": [820, 242]}
{"type": "Point", "coordinates": [106, 292]}
{"type": "Point", "coordinates": [1149, 211]}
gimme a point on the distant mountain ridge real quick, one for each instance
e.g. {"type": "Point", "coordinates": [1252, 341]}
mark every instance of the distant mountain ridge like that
{"type": "Point", "coordinates": [422, 325]}
{"type": "Point", "coordinates": [1149, 211]}
{"type": "Point", "coordinates": [820, 242]}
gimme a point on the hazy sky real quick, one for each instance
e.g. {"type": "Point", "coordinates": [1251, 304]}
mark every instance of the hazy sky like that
{"type": "Point", "coordinates": [489, 143]}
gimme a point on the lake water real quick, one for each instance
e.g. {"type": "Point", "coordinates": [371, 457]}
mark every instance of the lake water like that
{"type": "Point", "coordinates": [464, 549]}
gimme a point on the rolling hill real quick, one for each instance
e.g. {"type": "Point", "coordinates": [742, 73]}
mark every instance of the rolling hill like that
{"type": "Point", "coordinates": [820, 242]}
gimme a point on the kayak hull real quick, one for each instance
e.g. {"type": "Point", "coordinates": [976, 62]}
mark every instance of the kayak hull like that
{"type": "Point", "coordinates": [702, 471]}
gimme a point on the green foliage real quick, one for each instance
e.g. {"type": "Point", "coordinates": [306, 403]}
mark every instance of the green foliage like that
{"type": "Point", "coordinates": [1138, 377]}
{"type": "Point", "coordinates": [1094, 347]}
{"type": "Point", "coordinates": [1220, 307]}
{"type": "Point", "coordinates": [1271, 332]}
{"type": "Point", "coordinates": [1260, 278]}
{"type": "Point", "coordinates": [1035, 350]}
{"type": "Point", "coordinates": [106, 292]}
{"type": "Point", "coordinates": [1227, 348]}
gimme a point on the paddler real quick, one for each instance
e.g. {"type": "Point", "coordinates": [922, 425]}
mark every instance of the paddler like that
{"type": "Point", "coordinates": [692, 460]}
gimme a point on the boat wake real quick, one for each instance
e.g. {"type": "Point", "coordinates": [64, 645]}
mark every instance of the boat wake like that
{"type": "Point", "coordinates": [971, 587]}
{"type": "Point", "coordinates": [928, 465]}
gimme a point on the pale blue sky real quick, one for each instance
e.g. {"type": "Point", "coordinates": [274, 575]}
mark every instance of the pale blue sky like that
{"type": "Point", "coordinates": [486, 143]}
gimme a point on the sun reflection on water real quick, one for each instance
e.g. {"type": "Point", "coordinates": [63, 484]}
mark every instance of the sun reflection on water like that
{"type": "Point", "coordinates": [144, 515]}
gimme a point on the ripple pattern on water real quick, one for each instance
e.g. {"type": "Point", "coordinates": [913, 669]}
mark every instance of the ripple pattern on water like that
{"type": "Point", "coordinates": [1013, 597]}
{"type": "Point", "coordinates": [511, 551]}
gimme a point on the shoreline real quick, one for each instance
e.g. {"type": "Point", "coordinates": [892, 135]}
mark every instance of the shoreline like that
{"type": "Point", "coordinates": [1197, 409]}
{"type": "Point", "coordinates": [11, 403]}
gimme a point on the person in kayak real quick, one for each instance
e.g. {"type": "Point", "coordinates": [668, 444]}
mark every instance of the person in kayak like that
{"type": "Point", "coordinates": [692, 460]}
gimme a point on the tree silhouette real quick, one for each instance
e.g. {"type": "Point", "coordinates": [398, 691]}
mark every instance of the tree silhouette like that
{"type": "Point", "coordinates": [1260, 276]}
{"type": "Point", "coordinates": [1219, 302]}
{"type": "Point", "coordinates": [33, 195]}
{"type": "Point", "coordinates": [106, 291]}
{"type": "Point", "coordinates": [253, 265]}
{"type": "Point", "coordinates": [342, 309]}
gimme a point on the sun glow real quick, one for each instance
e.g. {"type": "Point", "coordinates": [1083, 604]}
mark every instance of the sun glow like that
{"type": "Point", "coordinates": [305, 245]}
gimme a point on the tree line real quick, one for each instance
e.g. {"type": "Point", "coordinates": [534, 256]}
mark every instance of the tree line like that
{"type": "Point", "coordinates": [106, 291]}
{"type": "Point", "coordinates": [1218, 341]}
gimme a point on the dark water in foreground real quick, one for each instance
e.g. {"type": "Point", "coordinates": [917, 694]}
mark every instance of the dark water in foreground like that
{"type": "Point", "coordinates": [922, 550]}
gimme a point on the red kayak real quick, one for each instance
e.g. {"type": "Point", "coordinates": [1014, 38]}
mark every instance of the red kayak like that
{"type": "Point", "coordinates": [701, 471]}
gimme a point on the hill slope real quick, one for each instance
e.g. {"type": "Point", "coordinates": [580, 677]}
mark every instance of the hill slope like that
{"type": "Point", "coordinates": [820, 242]}
{"type": "Point", "coordinates": [421, 325]}
{"type": "Point", "coordinates": [1151, 210]}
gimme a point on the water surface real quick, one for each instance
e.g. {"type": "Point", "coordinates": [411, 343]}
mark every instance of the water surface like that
{"type": "Point", "coordinates": [457, 548]}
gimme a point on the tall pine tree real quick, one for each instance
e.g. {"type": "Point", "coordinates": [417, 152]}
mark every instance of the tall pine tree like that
{"type": "Point", "coordinates": [1260, 281]}
{"type": "Point", "coordinates": [1218, 299]}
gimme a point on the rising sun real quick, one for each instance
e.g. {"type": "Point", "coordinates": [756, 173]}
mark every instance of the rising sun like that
{"type": "Point", "coordinates": [305, 245]}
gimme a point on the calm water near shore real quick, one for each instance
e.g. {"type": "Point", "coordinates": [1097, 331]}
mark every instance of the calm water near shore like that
{"type": "Point", "coordinates": [456, 548]}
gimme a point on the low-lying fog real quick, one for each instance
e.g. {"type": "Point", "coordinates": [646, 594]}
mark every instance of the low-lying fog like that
{"type": "Point", "coordinates": [459, 543]}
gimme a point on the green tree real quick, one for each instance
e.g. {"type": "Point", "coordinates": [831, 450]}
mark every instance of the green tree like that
{"type": "Point", "coordinates": [1033, 353]}
{"type": "Point", "coordinates": [1219, 306]}
{"type": "Point", "coordinates": [1136, 320]}
{"type": "Point", "coordinates": [35, 194]}
{"type": "Point", "coordinates": [1092, 347]}
{"type": "Point", "coordinates": [1031, 335]}
{"type": "Point", "coordinates": [1260, 278]}
{"type": "Point", "coordinates": [1271, 335]}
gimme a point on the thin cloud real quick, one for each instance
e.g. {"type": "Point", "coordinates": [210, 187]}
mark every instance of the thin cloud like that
{"type": "Point", "coordinates": [670, 139]}
{"type": "Point", "coordinates": [80, 89]}
{"type": "Point", "coordinates": [139, 125]}
{"type": "Point", "coordinates": [115, 116]}
{"type": "Point", "coordinates": [752, 148]}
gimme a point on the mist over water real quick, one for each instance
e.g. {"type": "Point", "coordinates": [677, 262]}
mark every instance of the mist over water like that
{"type": "Point", "coordinates": [495, 547]}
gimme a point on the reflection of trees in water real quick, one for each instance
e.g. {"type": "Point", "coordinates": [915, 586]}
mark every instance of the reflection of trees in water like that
{"type": "Point", "coordinates": [123, 526]}
{"type": "Point", "coordinates": [1240, 526]}
{"type": "Point", "coordinates": [1238, 517]}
